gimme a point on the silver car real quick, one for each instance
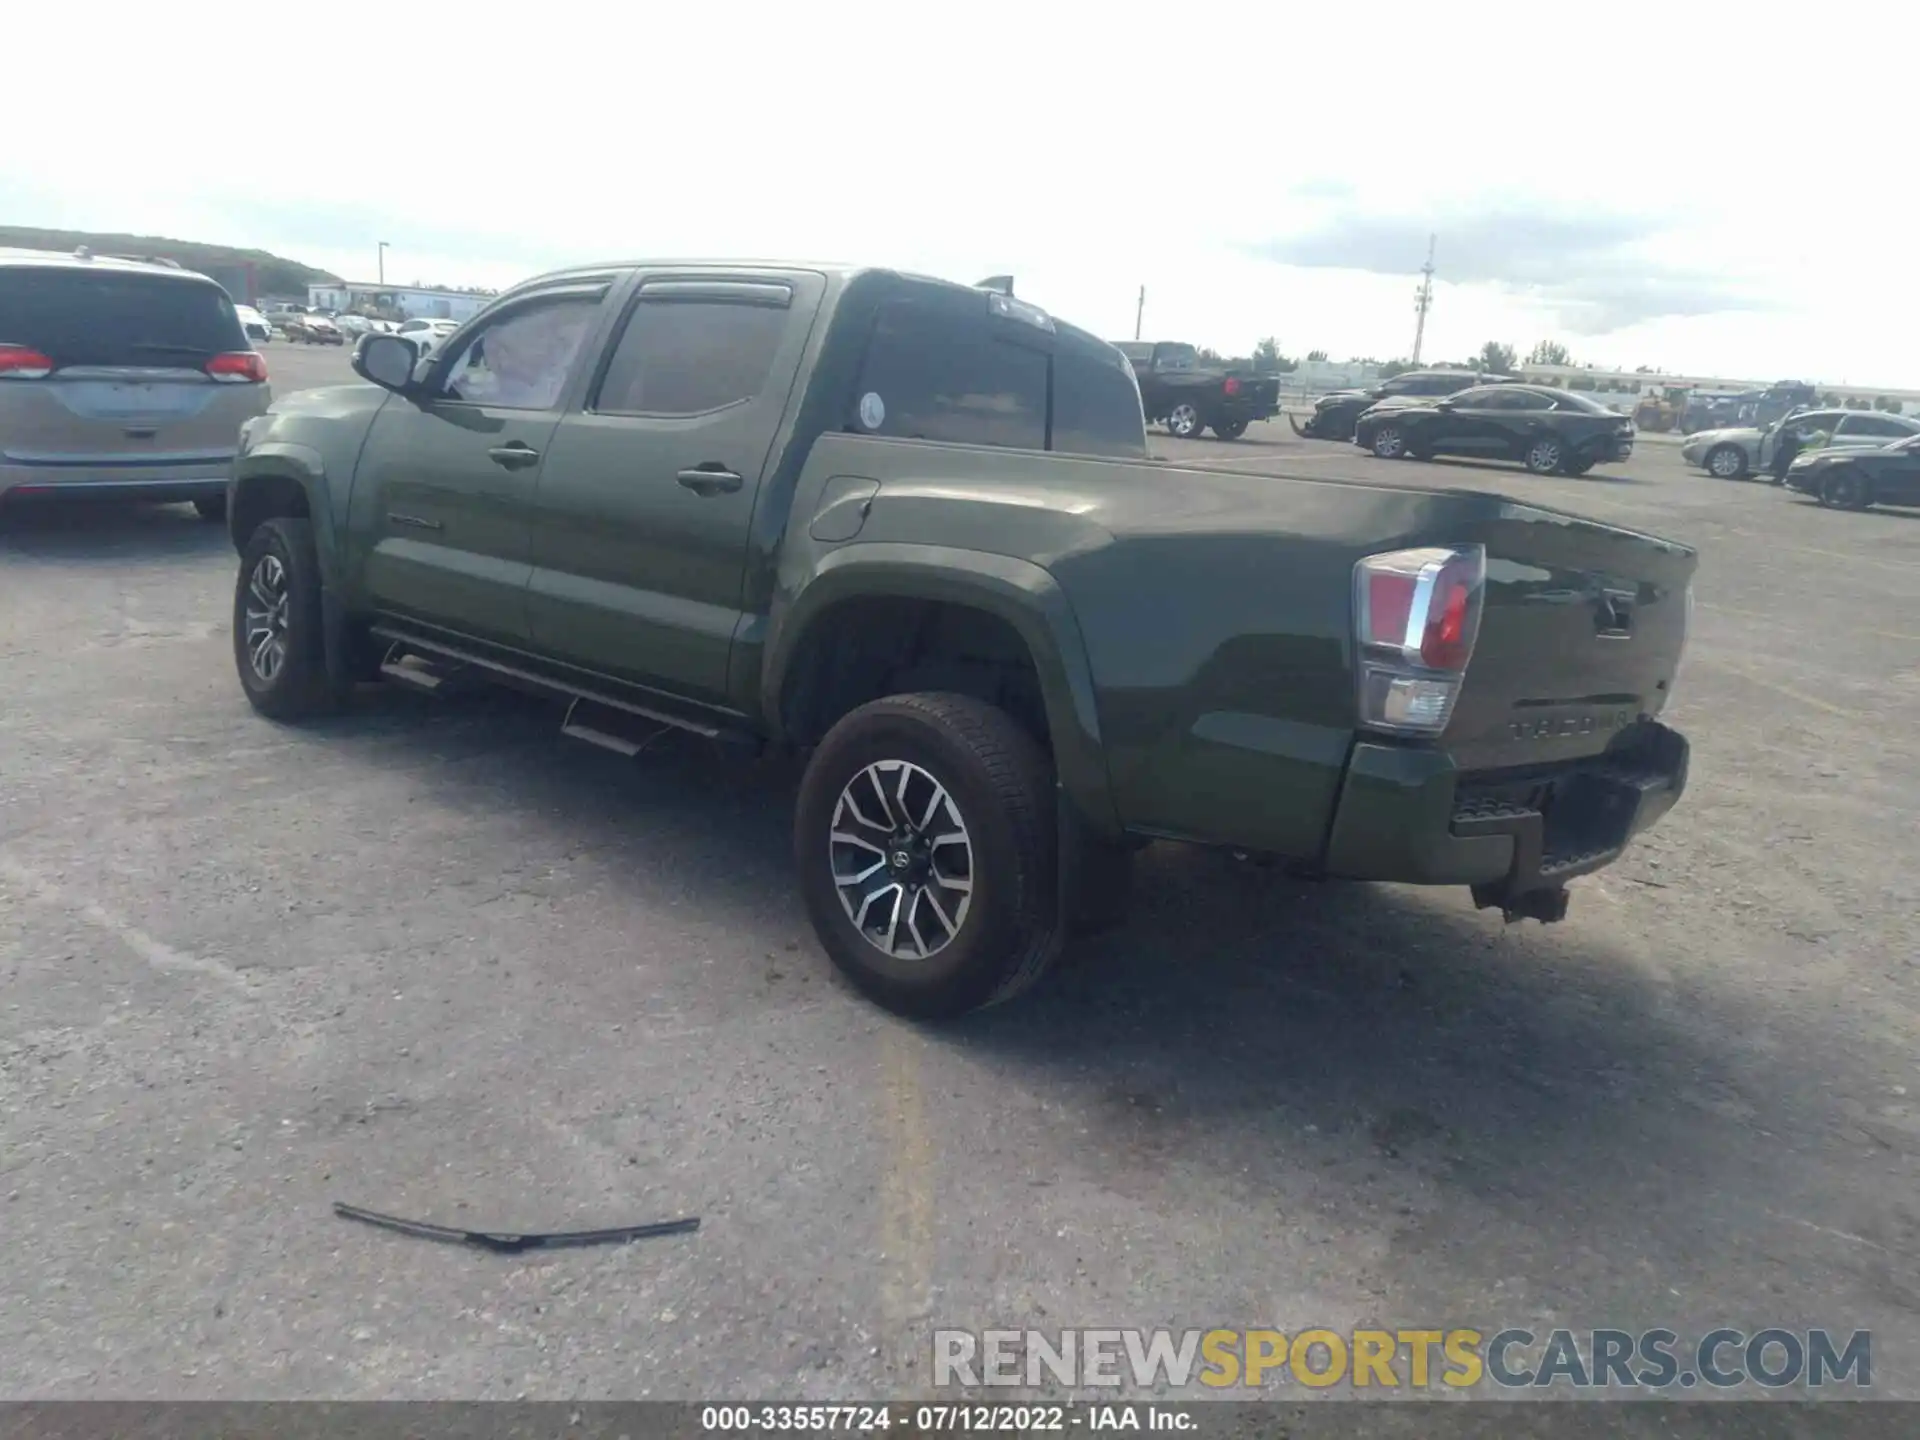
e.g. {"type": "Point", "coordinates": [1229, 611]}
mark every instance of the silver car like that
{"type": "Point", "coordinates": [120, 379]}
{"type": "Point", "coordinates": [1737, 453]}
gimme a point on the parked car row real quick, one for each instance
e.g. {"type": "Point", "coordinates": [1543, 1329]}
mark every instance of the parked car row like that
{"type": "Point", "coordinates": [1743, 451]}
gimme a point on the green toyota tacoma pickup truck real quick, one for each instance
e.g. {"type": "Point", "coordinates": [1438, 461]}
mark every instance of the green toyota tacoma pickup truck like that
{"type": "Point", "coordinates": [910, 531]}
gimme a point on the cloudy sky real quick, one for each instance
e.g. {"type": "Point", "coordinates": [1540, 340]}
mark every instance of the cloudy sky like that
{"type": "Point", "coordinates": [1688, 186]}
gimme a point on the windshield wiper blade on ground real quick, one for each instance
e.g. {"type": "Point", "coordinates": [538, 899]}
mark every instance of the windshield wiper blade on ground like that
{"type": "Point", "coordinates": [512, 1244]}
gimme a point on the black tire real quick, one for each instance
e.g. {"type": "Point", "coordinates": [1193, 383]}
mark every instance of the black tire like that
{"type": "Point", "coordinates": [1388, 441]}
{"type": "Point", "coordinates": [1846, 489]}
{"type": "Point", "coordinates": [1229, 429]}
{"type": "Point", "coordinates": [298, 687]}
{"type": "Point", "coordinates": [212, 508]}
{"type": "Point", "coordinates": [1185, 422]}
{"type": "Point", "coordinates": [1000, 784]}
{"type": "Point", "coordinates": [1546, 455]}
{"type": "Point", "coordinates": [1725, 462]}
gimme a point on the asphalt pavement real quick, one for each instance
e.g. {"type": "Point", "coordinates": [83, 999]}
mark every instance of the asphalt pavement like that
{"type": "Point", "coordinates": [434, 959]}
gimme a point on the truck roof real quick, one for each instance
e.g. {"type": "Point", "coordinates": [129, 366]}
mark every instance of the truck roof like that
{"type": "Point", "coordinates": [839, 274]}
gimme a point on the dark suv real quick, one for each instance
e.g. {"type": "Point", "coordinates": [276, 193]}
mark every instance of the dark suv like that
{"type": "Point", "coordinates": [122, 379]}
{"type": "Point", "coordinates": [1334, 415]}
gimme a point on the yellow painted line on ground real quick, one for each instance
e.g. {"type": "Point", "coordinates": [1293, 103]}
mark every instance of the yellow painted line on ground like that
{"type": "Point", "coordinates": [1720, 609]}
{"type": "Point", "coordinates": [906, 1191]}
{"type": "Point", "coordinates": [1768, 682]}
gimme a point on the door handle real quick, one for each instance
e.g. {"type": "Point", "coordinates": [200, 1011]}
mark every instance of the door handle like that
{"type": "Point", "coordinates": [515, 456]}
{"type": "Point", "coordinates": [710, 479]}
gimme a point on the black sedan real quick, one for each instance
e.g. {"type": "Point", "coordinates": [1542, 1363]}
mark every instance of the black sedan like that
{"type": "Point", "coordinates": [1334, 415]}
{"type": "Point", "coordinates": [1854, 479]}
{"type": "Point", "coordinates": [1551, 432]}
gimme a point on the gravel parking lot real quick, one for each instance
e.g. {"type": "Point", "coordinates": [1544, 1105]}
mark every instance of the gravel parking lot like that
{"type": "Point", "coordinates": [434, 959]}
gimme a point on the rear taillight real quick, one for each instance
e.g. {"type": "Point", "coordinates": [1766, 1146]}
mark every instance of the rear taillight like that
{"type": "Point", "coordinates": [1416, 617]}
{"type": "Point", "coordinates": [238, 366]}
{"type": "Point", "coordinates": [1232, 387]}
{"type": "Point", "coordinates": [21, 362]}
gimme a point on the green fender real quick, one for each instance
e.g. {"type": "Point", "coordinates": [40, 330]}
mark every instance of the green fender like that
{"type": "Point", "coordinates": [1017, 591]}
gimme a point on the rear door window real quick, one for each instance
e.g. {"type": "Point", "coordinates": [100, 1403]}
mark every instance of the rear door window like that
{"type": "Point", "coordinates": [1096, 407]}
{"type": "Point", "coordinates": [934, 373]}
{"type": "Point", "coordinates": [1877, 427]}
{"type": "Point", "coordinates": [116, 318]}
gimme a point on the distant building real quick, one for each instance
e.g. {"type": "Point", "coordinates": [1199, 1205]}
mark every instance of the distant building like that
{"type": "Point", "coordinates": [409, 302]}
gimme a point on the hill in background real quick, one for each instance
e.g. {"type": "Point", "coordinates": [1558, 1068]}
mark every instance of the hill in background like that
{"type": "Point", "coordinates": [274, 274]}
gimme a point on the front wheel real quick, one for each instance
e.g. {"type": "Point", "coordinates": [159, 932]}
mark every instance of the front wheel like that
{"type": "Point", "coordinates": [1847, 490]}
{"type": "Point", "coordinates": [1184, 421]}
{"type": "Point", "coordinates": [279, 644]}
{"type": "Point", "coordinates": [927, 846]}
{"type": "Point", "coordinates": [1727, 462]}
{"type": "Point", "coordinates": [1546, 456]}
{"type": "Point", "coordinates": [1230, 429]}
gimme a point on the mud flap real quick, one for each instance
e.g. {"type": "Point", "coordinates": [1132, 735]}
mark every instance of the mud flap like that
{"type": "Point", "coordinates": [1095, 875]}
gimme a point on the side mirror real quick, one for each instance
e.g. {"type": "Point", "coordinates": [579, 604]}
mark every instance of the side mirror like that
{"type": "Point", "coordinates": [386, 360]}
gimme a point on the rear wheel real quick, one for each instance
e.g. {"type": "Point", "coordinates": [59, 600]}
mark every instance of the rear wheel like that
{"type": "Point", "coordinates": [1727, 462]}
{"type": "Point", "coordinates": [1847, 489]}
{"type": "Point", "coordinates": [1230, 429]}
{"type": "Point", "coordinates": [1546, 455]}
{"type": "Point", "coordinates": [1390, 442]}
{"type": "Point", "coordinates": [1184, 422]}
{"type": "Point", "coordinates": [928, 852]}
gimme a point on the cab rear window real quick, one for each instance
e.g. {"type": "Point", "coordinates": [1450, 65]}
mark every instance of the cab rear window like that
{"type": "Point", "coordinates": [104, 317]}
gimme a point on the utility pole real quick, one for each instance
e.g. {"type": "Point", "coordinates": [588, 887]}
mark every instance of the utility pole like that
{"type": "Point", "coordinates": [383, 262]}
{"type": "Point", "coordinates": [1423, 302]}
{"type": "Point", "coordinates": [1139, 312]}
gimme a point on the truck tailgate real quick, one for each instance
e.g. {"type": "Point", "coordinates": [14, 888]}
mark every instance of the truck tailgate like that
{"type": "Point", "coordinates": [1580, 635]}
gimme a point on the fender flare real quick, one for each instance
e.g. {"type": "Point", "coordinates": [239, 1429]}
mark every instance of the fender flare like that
{"type": "Point", "coordinates": [302, 464]}
{"type": "Point", "coordinates": [1017, 591]}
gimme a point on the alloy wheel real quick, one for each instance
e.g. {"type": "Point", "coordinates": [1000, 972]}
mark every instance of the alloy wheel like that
{"type": "Point", "coordinates": [902, 860]}
{"type": "Point", "coordinates": [1184, 421]}
{"type": "Point", "coordinates": [266, 614]}
{"type": "Point", "coordinates": [1388, 443]}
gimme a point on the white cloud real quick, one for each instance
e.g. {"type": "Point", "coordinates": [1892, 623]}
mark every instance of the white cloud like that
{"type": "Point", "coordinates": [1088, 149]}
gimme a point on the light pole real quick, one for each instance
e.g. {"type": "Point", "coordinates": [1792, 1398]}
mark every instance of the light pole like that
{"type": "Point", "coordinates": [383, 262]}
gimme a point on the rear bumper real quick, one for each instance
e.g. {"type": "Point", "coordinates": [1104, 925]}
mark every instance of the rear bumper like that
{"type": "Point", "coordinates": [196, 480]}
{"type": "Point", "coordinates": [1409, 815]}
{"type": "Point", "coordinates": [1241, 407]}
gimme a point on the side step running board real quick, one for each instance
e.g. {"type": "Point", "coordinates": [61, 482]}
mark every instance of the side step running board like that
{"type": "Point", "coordinates": [622, 726]}
{"type": "Point", "coordinates": [620, 731]}
{"type": "Point", "coordinates": [417, 672]}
